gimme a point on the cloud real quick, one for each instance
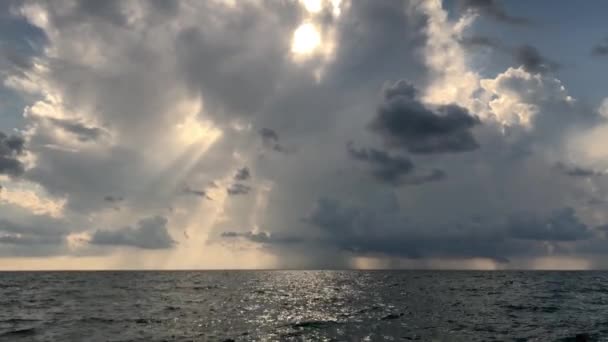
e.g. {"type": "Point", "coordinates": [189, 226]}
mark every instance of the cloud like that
{"type": "Point", "coordinates": [356, 229]}
{"type": "Point", "coordinates": [238, 189]}
{"type": "Point", "coordinates": [140, 98]}
{"type": "Point", "coordinates": [532, 61]}
{"type": "Point", "coordinates": [270, 140]}
{"type": "Point", "coordinates": [11, 148]}
{"type": "Point", "coordinates": [113, 199]}
{"type": "Point", "coordinates": [431, 176]}
{"type": "Point", "coordinates": [406, 123]}
{"type": "Point", "coordinates": [262, 237]}
{"type": "Point", "coordinates": [484, 41]}
{"type": "Point", "coordinates": [562, 225]}
{"type": "Point", "coordinates": [25, 234]}
{"type": "Point", "coordinates": [387, 168]}
{"type": "Point", "coordinates": [601, 49]}
{"type": "Point", "coordinates": [17, 239]}
{"type": "Point", "coordinates": [394, 170]}
{"type": "Point", "coordinates": [83, 132]}
{"type": "Point", "coordinates": [149, 233]}
{"type": "Point", "coordinates": [524, 55]}
{"type": "Point", "coordinates": [242, 174]}
{"type": "Point", "coordinates": [200, 193]}
{"type": "Point", "coordinates": [577, 171]}
{"type": "Point", "coordinates": [494, 10]}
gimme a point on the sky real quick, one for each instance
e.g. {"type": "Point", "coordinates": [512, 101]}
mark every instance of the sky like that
{"type": "Point", "coordinates": [224, 134]}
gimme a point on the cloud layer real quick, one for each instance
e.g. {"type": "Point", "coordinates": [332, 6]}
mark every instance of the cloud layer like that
{"type": "Point", "coordinates": [211, 135]}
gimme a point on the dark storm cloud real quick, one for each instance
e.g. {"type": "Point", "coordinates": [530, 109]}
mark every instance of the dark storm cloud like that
{"type": "Point", "coordinates": [530, 58]}
{"type": "Point", "coordinates": [404, 122]}
{"type": "Point", "coordinates": [562, 225]}
{"type": "Point", "coordinates": [270, 140]}
{"type": "Point", "coordinates": [149, 233]}
{"type": "Point", "coordinates": [577, 171]}
{"type": "Point", "coordinates": [238, 189]}
{"type": "Point", "coordinates": [600, 49]}
{"type": "Point", "coordinates": [11, 147]}
{"type": "Point", "coordinates": [82, 132]}
{"type": "Point", "coordinates": [392, 169]}
{"type": "Point", "coordinates": [384, 231]}
{"type": "Point", "coordinates": [493, 9]}
{"type": "Point", "coordinates": [242, 174]}
{"type": "Point", "coordinates": [365, 230]}
{"type": "Point", "coordinates": [386, 168]}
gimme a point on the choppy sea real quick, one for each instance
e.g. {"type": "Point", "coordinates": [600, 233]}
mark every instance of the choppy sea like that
{"type": "Point", "coordinates": [304, 306]}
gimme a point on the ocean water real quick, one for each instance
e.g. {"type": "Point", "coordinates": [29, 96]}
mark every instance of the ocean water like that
{"type": "Point", "coordinates": [304, 306]}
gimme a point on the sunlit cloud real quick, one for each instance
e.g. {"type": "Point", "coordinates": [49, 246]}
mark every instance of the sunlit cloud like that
{"type": "Point", "coordinates": [312, 6]}
{"type": "Point", "coordinates": [31, 198]}
{"type": "Point", "coordinates": [306, 39]}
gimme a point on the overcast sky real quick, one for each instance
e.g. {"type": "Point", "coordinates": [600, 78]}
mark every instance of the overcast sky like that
{"type": "Point", "coordinates": [303, 134]}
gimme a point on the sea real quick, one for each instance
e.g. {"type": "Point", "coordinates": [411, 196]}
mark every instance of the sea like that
{"type": "Point", "coordinates": [304, 306]}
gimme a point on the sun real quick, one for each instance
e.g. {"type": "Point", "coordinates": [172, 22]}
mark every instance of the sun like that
{"type": "Point", "coordinates": [312, 6]}
{"type": "Point", "coordinates": [306, 39]}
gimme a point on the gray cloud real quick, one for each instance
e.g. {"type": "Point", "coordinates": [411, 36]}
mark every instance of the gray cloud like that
{"type": "Point", "coordinates": [113, 199]}
{"type": "Point", "coordinates": [484, 41]}
{"type": "Point", "coordinates": [386, 168]}
{"type": "Point", "coordinates": [200, 193]}
{"type": "Point", "coordinates": [493, 9]}
{"type": "Point", "coordinates": [11, 147]}
{"type": "Point", "coordinates": [262, 237]}
{"type": "Point", "coordinates": [367, 27]}
{"type": "Point", "coordinates": [524, 55]}
{"type": "Point", "coordinates": [238, 189]}
{"type": "Point", "coordinates": [83, 132]}
{"type": "Point", "coordinates": [577, 171]}
{"type": "Point", "coordinates": [404, 122]}
{"type": "Point", "coordinates": [242, 174]}
{"type": "Point", "coordinates": [149, 233]}
{"type": "Point", "coordinates": [17, 239]}
{"type": "Point", "coordinates": [31, 235]}
{"type": "Point", "coordinates": [431, 176]}
{"type": "Point", "coordinates": [383, 230]}
{"type": "Point", "coordinates": [562, 225]}
{"type": "Point", "coordinates": [40, 226]}
{"type": "Point", "coordinates": [601, 49]}
{"type": "Point", "coordinates": [236, 61]}
{"type": "Point", "coordinates": [270, 140]}
{"type": "Point", "coordinates": [530, 58]}
{"type": "Point", "coordinates": [392, 169]}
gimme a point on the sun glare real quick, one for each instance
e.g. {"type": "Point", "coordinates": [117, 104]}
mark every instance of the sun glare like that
{"type": "Point", "coordinates": [312, 6]}
{"type": "Point", "coordinates": [306, 39]}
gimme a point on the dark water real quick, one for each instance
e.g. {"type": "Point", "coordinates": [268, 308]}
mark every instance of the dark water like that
{"type": "Point", "coordinates": [304, 306]}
